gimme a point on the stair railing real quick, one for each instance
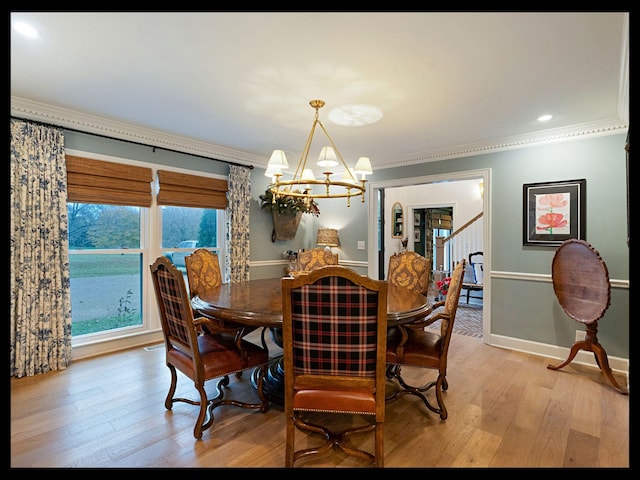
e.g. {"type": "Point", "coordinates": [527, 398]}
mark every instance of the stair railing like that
{"type": "Point", "coordinates": [466, 239]}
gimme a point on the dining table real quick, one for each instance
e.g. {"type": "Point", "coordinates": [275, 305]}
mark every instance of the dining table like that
{"type": "Point", "coordinates": [258, 303]}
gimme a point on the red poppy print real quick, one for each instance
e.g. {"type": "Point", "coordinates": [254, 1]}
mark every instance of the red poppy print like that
{"type": "Point", "coordinates": [552, 213]}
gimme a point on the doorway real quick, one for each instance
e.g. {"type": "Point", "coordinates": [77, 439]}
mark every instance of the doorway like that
{"type": "Point", "coordinates": [429, 224]}
{"type": "Point", "coordinates": [380, 249]}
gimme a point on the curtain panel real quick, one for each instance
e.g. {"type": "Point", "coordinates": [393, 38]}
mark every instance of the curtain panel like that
{"type": "Point", "coordinates": [40, 297]}
{"type": "Point", "coordinates": [237, 241]}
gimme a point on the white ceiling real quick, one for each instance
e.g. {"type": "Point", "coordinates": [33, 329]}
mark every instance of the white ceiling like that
{"type": "Point", "coordinates": [237, 85]}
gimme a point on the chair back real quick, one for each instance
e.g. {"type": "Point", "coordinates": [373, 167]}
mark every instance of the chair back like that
{"type": "Point", "coordinates": [410, 270]}
{"type": "Point", "coordinates": [451, 306]}
{"type": "Point", "coordinates": [477, 267]}
{"type": "Point", "coordinates": [201, 354]}
{"type": "Point", "coordinates": [413, 345]}
{"type": "Point", "coordinates": [203, 271]}
{"type": "Point", "coordinates": [176, 316]}
{"type": "Point", "coordinates": [334, 345]}
{"type": "Point", "coordinates": [314, 258]}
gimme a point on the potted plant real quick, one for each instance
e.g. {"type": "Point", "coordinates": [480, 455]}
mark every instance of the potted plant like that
{"type": "Point", "coordinates": [443, 288]}
{"type": "Point", "coordinates": [286, 212]}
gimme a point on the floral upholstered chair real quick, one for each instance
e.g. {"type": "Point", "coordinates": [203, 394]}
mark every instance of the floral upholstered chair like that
{"type": "Point", "coordinates": [409, 270]}
{"type": "Point", "coordinates": [413, 346]}
{"type": "Point", "coordinates": [203, 271]}
{"type": "Point", "coordinates": [315, 258]}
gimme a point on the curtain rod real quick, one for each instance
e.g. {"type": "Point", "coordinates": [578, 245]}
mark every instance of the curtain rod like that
{"type": "Point", "coordinates": [250, 167]}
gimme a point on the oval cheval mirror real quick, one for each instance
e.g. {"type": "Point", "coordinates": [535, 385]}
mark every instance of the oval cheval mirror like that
{"type": "Point", "coordinates": [581, 284]}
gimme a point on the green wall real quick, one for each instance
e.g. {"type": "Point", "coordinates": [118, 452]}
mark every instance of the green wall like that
{"type": "Point", "coordinates": [520, 306]}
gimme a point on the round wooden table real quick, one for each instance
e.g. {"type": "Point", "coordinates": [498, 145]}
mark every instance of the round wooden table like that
{"type": "Point", "coordinates": [258, 303]}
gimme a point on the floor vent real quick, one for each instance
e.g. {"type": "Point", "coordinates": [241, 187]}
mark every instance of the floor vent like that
{"type": "Point", "coordinates": [151, 348]}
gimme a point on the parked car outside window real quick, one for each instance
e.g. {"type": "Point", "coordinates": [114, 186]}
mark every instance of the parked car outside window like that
{"type": "Point", "coordinates": [177, 257]}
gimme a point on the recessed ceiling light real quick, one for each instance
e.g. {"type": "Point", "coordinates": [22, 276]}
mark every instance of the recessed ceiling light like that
{"type": "Point", "coordinates": [355, 115]}
{"type": "Point", "coordinates": [25, 29]}
{"type": "Point", "coordinates": [545, 118]}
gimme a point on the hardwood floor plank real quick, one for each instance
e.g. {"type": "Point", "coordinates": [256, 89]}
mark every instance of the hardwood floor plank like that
{"type": "Point", "coordinates": [479, 450]}
{"type": "Point", "coordinates": [613, 448]}
{"type": "Point", "coordinates": [532, 408]}
{"type": "Point", "coordinates": [582, 450]}
{"type": "Point", "coordinates": [506, 409]}
{"type": "Point", "coordinates": [551, 438]}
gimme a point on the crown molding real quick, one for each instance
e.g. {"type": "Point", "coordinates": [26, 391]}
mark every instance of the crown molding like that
{"type": "Point", "coordinates": [575, 132]}
{"type": "Point", "coordinates": [73, 120]}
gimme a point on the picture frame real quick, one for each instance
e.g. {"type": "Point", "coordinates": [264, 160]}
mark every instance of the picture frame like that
{"type": "Point", "coordinates": [553, 212]}
{"type": "Point", "coordinates": [416, 219]}
{"type": "Point", "coordinates": [416, 236]}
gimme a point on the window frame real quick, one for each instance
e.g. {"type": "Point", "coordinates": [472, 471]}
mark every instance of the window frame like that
{"type": "Point", "coordinates": [150, 248]}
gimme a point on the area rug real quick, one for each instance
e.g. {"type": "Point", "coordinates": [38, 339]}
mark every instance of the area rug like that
{"type": "Point", "coordinates": [468, 319]}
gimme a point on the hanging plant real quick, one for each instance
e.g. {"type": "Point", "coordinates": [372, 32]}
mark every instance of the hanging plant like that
{"type": "Point", "coordinates": [286, 212]}
{"type": "Point", "coordinates": [288, 205]}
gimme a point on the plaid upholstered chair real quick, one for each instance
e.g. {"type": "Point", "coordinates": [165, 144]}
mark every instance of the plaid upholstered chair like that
{"type": "Point", "coordinates": [411, 345]}
{"type": "Point", "coordinates": [308, 260]}
{"type": "Point", "coordinates": [200, 357]}
{"type": "Point", "coordinates": [335, 330]}
{"type": "Point", "coordinates": [409, 270]}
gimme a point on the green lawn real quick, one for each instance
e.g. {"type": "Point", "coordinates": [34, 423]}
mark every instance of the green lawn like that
{"type": "Point", "coordinates": [104, 265]}
{"type": "Point", "coordinates": [98, 265]}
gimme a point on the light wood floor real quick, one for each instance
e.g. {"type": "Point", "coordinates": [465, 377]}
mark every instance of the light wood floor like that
{"type": "Point", "coordinates": [506, 409]}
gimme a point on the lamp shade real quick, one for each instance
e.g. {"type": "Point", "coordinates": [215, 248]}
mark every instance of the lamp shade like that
{"type": "Point", "coordinates": [307, 174]}
{"type": "Point", "coordinates": [327, 157]}
{"type": "Point", "coordinates": [272, 170]}
{"type": "Point", "coordinates": [278, 160]}
{"type": "Point", "coordinates": [328, 236]}
{"type": "Point", "coordinates": [348, 176]}
{"type": "Point", "coordinates": [363, 166]}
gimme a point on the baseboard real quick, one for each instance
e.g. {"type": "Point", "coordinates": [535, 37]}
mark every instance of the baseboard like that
{"type": "Point", "coordinates": [87, 350]}
{"type": "Point", "coordinates": [617, 364]}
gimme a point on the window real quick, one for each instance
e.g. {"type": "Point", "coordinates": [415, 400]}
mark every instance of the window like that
{"type": "Point", "coordinates": [115, 236]}
{"type": "Point", "coordinates": [184, 229]}
{"type": "Point", "coordinates": [444, 262]}
{"type": "Point", "coordinates": [105, 262]}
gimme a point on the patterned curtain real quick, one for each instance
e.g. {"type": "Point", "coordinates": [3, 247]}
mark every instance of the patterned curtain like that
{"type": "Point", "coordinates": [40, 322]}
{"type": "Point", "coordinates": [237, 244]}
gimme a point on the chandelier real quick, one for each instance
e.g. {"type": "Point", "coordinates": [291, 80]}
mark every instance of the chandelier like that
{"type": "Point", "coordinates": [303, 182]}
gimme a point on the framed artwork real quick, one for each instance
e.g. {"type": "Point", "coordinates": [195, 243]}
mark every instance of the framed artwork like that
{"type": "Point", "coordinates": [553, 212]}
{"type": "Point", "coordinates": [416, 235]}
{"type": "Point", "coordinates": [416, 219]}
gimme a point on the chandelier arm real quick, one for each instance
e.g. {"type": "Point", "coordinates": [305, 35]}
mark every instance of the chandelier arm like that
{"type": "Point", "coordinates": [302, 164]}
{"type": "Point", "coordinates": [335, 149]}
{"type": "Point", "coordinates": [353, 190]}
